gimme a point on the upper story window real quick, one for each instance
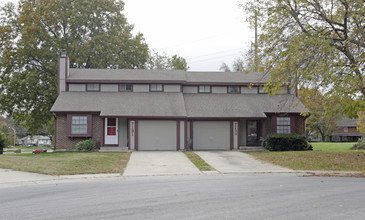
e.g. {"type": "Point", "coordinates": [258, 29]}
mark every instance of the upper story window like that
{"type": "Point", "coordinates": [283, 125]}
{"type": "Point", "coordinates": [346, 129]}
{"type": "Point", "coordinates": [234, 89]}
{"type": "Point", "coordinates": [261, 89]}
{"type": "Point", "coordinates": [125, 87]}
{"type": "Point", "coordinates": [156, 87]}
{"type": "Point", "coordinates": [93, 87]}
{"type": "Point", "coordinates": [204, 89]}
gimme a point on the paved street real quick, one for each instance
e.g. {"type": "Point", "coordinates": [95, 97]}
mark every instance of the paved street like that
{"type": "Point", "coordinates": [190, 197]}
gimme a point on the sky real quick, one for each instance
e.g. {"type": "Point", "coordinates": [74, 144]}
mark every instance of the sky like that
{"type": "Point", "coordinates": [205, 32]}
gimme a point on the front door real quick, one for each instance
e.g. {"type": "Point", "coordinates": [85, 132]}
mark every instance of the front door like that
{"type": "Point", "coordinates": [252, 133]}
{"type": "Point", "coordinates": [111, 131]}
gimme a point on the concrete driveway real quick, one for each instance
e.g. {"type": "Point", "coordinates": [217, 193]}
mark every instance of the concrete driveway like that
{"type": "Point", "coordinates": [238, 162]}
{"type": "Point", "coordinates": [154, 163]}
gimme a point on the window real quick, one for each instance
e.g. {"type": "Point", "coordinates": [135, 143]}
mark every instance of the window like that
{"type": "Point", "coordinates": [93, 87]}
{"type": "Point", "coordinates": [204, 89]}
{"type": "Point", "coordinates": [79, 125]}
{"type": "Point", "coordinates": [125, 87]}
{"type": "Point", "coordinates": [234, 89]}
{"type": "Point", "coordinates": [345, 129]}
{"type": "Point", "coordinates": [156, 87]}
{"type": "Point", "coordinates": [283, 125]}
{"type": "Point", "coordinates": [261, 89]}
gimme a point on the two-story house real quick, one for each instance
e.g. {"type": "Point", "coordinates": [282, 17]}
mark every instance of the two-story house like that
{"type": "Point", "coordinates": [169, 110]}
{"type": "Point", "coordinates": [346, 131]}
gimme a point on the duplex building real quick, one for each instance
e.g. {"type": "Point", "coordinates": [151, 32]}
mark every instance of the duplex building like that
{"type": "Point", "coordinates": [169, 110]}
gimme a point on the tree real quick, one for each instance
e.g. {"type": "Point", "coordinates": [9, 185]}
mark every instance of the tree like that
{"type": "Point", "coordinates": [161, 61]}
{"type": "Point", "coordinates": [238, 66]}
{"type": "Point", "coordinates": [361, 121]}
{"type": "Point", "coordinates": [314, 43]}
{"type": "Point", "coordinates": [321, 120]}
{"type": "Point", "coordinates": [95, 33]}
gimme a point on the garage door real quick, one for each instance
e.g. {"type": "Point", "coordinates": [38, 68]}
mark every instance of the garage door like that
{"type": "Point", "coordinates": [156, 135]}
{"type": "Point", "coordinates": [211, 135]}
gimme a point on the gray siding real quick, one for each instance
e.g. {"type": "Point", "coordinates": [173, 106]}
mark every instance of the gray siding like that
{"type": "Point", "coordinates": [123, 132]}
{"type": "Point", "coordinates": [211, 135]}
{"type": "Point", "coordinates": [77, 87]}
{"type": "Point", "coordinates": [141, 88]}
{"type": "Point", "coordinates": [219, 89]}
{"type": "Point", "coordinates": [109, 88]}
{"type": "Point", "coordinates": [157, 135]}
{"type": "Point", "coordinates": [172, 88]}
{"type": "Point", "coordinates": [190, 89]}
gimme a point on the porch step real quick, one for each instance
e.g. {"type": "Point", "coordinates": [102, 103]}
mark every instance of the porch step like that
{"type": "Point", "coordinates": [250, 149]}
{"type": "Point", "coordinates": [113, 149]}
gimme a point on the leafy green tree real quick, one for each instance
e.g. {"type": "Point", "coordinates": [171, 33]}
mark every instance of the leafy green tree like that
{"type": "Point", "coordinates": [95, 34]}
{"type": "Point", "coordinates": [321, 119]}
{"type": "Point", "coordinates": [313, 43]}
{"type": "Point", "coordinates": [361, 121]}
{"type": "Point", "coordinates": [161, 61]}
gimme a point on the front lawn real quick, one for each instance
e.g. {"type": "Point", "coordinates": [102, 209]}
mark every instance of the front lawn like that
{"type": "Point", "coordinates": [66, 163]}
{"type": "Point", "coordinates": [332, 146]}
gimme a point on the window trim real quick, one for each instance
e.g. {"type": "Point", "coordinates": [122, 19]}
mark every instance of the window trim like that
{"type": "Point", "coordinates": [284, 126]}
{"type": "Point", "coordinates": [239, 89]}
{"type": "Point", "coordinates": [210, 89]}
{"type": "Point", "coordinates": [162, 87]}
{"type": "Point", "coordinates": [120, 90]}
{"type": "Point", "coordinates": [89, 125]}
{"type": "Point", "coordinates": [88, 90]}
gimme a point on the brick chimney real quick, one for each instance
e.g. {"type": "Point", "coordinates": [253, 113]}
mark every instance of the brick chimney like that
{"type": "Point", "coordinates": [62, 72]}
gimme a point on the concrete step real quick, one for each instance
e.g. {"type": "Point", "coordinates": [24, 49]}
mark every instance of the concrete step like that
{"type": "Point", "coordinates": [252, 149]}
{"type": "Point", "coordinates": [113, 149]}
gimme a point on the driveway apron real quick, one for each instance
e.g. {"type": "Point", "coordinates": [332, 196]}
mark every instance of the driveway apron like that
{"type": "Point", "coordinates": [238, 162]}
{"type": "Point", "coordinates": [155, 163]}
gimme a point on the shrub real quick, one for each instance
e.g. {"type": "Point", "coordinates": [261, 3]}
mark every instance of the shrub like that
{"type": "Point", "coordinates": [360, 145]}
{"type": "Point", "coordinates": [2, 142]}
{"type": "Point", "coordinates": [86, 145]}
{"type": "Point", "coordinates": [286, 142]}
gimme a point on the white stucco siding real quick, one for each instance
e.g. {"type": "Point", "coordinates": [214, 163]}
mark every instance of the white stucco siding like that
{"type": "Point", "coordinates": [157, 135]}
{"type": "Point", "coordinates": [190, 89]}
{"type": "Point", "coordinates": [211, 135]}
{"type": "Point", "coordinates": [109, 87]}
{"type": "Point", "coordinates": [77, 87]}
{"type": "Point", "coordinates": [141, 88]}
{"type": "Point", "coordinates": [219, 89]}
{"type": "Point", "coordinates": [123, 132]}
{"type": "Point", "coordinates": [171, 88]}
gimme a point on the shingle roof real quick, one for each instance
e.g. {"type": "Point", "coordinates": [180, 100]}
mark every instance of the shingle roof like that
{"type": "Point", "coordinates": [347, 122]}
{"type": "Point", "coordinates": [165, 75]}
{"type": "Point", "coordinates": [122, 104]}
{"type": "Point", "coordinates": [156, 104]}
{"type": "Point", "coordinates": [239, 105]}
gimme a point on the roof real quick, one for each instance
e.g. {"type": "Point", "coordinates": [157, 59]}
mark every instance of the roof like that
{"type": "Point", "coordinates": [347, 122]}
{"type": "Point", "coordinates": [159, 104]}
{"type": "Point", "coordinates": [239, 105]}
{"type": "Point", "coordinates": [122, 104]}
{"type": "Point", "coordinates": [165, 75]}
{"type": "Point", "coordinates": [348, 134]}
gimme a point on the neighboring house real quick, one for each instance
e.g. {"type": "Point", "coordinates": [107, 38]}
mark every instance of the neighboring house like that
{"type": "Point", "coordinates": [346, 131]}
{"type": "Point", "coordinates": [169, 110]}
{"type": "Point", "coordinates": [36, 140]}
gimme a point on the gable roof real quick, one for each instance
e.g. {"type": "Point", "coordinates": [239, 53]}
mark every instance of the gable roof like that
{"type": "Point", "coordinates": [347, 122]}
{"type": "Point", "coordinates": [178, 76]}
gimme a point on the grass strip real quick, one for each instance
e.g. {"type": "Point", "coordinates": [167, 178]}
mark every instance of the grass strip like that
{"type": "Point", "coordinates": [315, 160]}
{"type": "Point", "coordinates": [198, 161]}
{"type": "Point", "coordinates": [66, 163]}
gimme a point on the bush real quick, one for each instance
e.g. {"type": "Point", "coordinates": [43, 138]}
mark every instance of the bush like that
{"type": "Point", "coordinates": [286, 142]}
{"type": "Point", "coordinates": [86, 145]}
{"type": "Point", "coordinates": [2, 142]}
{"type": "Point", "coordinates": [360, 145]}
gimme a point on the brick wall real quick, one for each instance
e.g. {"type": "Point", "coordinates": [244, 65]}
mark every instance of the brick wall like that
{"type": "Point", "coordinates": [65, 142]}
{"type": "Point", "coordinates": [299, 124]}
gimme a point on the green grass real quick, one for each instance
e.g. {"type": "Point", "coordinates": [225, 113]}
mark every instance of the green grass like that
{"type": "Point", "coordinates": [331, 146]}
{"type": "Point", "coordinates": [66, 163]}
{"type": "Point", "coordinates": [198, 161]}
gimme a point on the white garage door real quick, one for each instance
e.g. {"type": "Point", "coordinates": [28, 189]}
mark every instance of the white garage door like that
{"type": "Point", "coordinates": [211, 135]}
{"type": "Point", "coordinates": [156, 135]}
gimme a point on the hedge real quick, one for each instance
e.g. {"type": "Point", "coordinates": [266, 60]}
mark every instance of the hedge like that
{"type": "Point", "coordinates": [286, 142]}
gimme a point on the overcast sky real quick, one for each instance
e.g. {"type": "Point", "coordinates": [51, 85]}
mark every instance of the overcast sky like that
{"type": "Point", "coordinates": [204, 32]}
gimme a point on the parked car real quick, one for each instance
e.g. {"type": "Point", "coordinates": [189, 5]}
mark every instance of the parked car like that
{"type": "Point", "coordinates": [39, 151]}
